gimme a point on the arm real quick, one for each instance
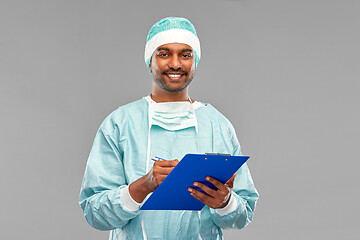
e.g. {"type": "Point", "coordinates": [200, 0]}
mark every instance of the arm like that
{"type": "Point", "coordinates": [105, 198]}
{"type": "Point", "coordinates": [239, 210]}
{"type": "Point", "coordinates": [245, 194]}
{"type": "Point", "coordinates": [100, 195]}
{"type": "Point", "coordinates": [229, 207]}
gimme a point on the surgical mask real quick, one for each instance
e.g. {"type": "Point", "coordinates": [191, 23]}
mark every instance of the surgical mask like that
{"type": "Point", "coordinates": [172, 115]}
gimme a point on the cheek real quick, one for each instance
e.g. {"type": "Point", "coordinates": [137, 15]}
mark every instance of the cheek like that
{"type": "Point", "coordinates": [153, 68]}
{"type": "Point", "coordinates": [156, 66]}
{"type": "Point", "coordinates": [192, 67]}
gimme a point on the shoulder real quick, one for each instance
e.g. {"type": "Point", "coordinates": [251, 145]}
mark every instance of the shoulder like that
{"type": "Point", "coordinates": [214, 114]}
{"type": "Point", "coordinates": [136, 107]}
{"type": "Point", "coordinates": [224, 125]}
{"type": "Point", "coordinates": [133, 111]}
{"type": "Point", "coordinates": [217, 119]}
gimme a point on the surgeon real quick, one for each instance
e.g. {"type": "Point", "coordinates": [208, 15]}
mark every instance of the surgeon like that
{"type": "Point", "coordinates": [168, 123]}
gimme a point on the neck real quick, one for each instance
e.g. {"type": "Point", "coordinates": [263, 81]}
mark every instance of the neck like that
{"type": "Point", "coordinates": [162, 96]}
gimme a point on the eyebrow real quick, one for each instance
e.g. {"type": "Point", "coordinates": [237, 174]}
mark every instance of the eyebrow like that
{"type": "Point", "coordinates": [187, 50]}
{"type": "Point", "coordinates": [167, 49]}
{"type": "Point", "coordinates": [163, 49]}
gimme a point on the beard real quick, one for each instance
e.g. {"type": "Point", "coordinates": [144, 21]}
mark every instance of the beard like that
{"type": "Point", "coordinates": [161, 82]}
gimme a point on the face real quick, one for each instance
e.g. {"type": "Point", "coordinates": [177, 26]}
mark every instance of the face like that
{"type": "Point", "coordinates": [173, 66]}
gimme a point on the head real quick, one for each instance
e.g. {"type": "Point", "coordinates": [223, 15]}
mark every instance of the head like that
{"type": "Point", "coordinates": [172, 53]}
{"type": "Point", "coordinates": [172, 66]}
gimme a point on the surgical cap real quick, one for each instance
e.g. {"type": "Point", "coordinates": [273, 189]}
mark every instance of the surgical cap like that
{"type": "Point", "coordinates": [172, 30]}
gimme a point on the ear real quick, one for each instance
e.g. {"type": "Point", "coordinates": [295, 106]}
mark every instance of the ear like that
{"type": "Point", "coordinates": [150, 65]}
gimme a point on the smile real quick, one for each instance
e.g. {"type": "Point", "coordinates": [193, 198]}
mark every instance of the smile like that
{"type": "Point", "coordinates": [174, 75]}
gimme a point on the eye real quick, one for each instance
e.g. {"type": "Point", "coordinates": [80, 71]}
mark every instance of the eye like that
{"type": "Point", "coordinates": [163, 55]}
{"type": "Point", "coordinates": [187, 55]}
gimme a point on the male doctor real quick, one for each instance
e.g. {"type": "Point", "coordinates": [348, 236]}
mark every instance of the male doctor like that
{"type": "Point", "coordinates": [167, 123]}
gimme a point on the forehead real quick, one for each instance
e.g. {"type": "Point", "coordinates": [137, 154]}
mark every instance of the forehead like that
{"type": "Point", "coordinates": [174, 47]}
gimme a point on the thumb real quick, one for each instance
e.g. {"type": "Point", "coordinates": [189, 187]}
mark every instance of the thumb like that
{"type": "Point", "coordinates": [230, 182]}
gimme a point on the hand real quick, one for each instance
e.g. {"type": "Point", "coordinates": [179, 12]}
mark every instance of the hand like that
{"type": "Point", "coordinates": [214, 198]}
{"type": "Point", "coordinates": [159, 172]}
{"type": "Point", "coordinates": [148, 183]}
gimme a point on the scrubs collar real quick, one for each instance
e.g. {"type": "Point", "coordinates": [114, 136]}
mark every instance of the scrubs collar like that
{"type": "Point", "coordinates": [195, 104]}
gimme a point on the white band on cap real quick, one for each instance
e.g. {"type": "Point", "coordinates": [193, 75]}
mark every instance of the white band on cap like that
{"type": "Point", "coordinates": [172, 36]}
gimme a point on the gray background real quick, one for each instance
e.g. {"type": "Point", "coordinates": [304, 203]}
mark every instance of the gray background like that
{"type": "Point", "coordinates": [286, 74]}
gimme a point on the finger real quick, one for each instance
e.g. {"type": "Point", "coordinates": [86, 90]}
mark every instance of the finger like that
{"type": "Point", "coordinates": [221, 195]}
{"type": "Point", "coordinates": [206, 199]}
{"type": "Point", "coordinates": [162, 170]}
{"type": "Point", "coordinates": [209, 191]}
{"type": "Point", "coordinates": [166, 163]}
{"type": "Point", "coordinates": [216, 183]}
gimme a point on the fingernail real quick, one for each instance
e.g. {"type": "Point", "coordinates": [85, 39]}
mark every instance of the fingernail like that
{"type": "Point", "coordinates": [189, 189]}
{"type": "Point", "coordinates": [207, 178]}
{"type": "Point", "coordinates": [195, 184]}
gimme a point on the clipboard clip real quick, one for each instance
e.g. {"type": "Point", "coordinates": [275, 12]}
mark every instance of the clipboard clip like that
{"type": "Point", "coordinates": [224, 154]}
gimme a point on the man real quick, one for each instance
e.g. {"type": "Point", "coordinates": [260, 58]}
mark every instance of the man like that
{"type": "Point", "coordinates": [168, 123]}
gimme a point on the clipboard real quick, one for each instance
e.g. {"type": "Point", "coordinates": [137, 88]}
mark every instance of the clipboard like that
{"type": "Point", "coordinates": [172, 193]}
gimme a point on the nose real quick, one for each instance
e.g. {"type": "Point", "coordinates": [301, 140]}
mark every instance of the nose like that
{"type": "Point", "coordinates": [175, 62]}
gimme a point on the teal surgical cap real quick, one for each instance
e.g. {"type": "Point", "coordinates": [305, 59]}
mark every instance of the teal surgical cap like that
{"type": "Point", "coordinates": [172, 30]}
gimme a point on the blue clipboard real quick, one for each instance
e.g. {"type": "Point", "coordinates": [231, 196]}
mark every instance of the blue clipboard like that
{"type": "Point", "coordinates": [172, 193]}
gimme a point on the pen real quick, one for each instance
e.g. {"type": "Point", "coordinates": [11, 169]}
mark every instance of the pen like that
{"type": "Point", "coordinates": [156, 158]}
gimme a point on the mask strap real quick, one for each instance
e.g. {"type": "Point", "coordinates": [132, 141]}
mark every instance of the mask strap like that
{"type": "Point", "coordinates": [199, 215]}
{"type": "Point", "coordinates": [147, 168]}
{"type": "Point", "coordinates": [193, 111]}
{"type": "Point", "coordinates": [148, 151]}
{"type": "Point", "coordinates": [143, 228]}
{"type": "Point", "coordinates": [148, 142]}
{"type": "Point", "coordinates": [197, 142]}
{"type": "Point", "coordinates": [198, 150]}
{"type": "Point", "coordinates": [196, 128]}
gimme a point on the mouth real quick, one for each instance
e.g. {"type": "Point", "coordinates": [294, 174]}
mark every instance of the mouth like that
{"type": "Point", "coordinates": [175, 76]}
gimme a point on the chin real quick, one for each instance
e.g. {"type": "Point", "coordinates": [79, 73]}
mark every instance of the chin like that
{"type": "Point", "coordinates": [172, 87]}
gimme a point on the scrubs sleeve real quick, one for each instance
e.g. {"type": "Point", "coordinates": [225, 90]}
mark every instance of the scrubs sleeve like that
{"type": "Point", "coordinates": [100, 195]}
{"type": "Point", "coordinates": [244, 193]}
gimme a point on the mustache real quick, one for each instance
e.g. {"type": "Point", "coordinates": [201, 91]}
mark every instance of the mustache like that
{"type": "Point", "coordinates": [174, 71]}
